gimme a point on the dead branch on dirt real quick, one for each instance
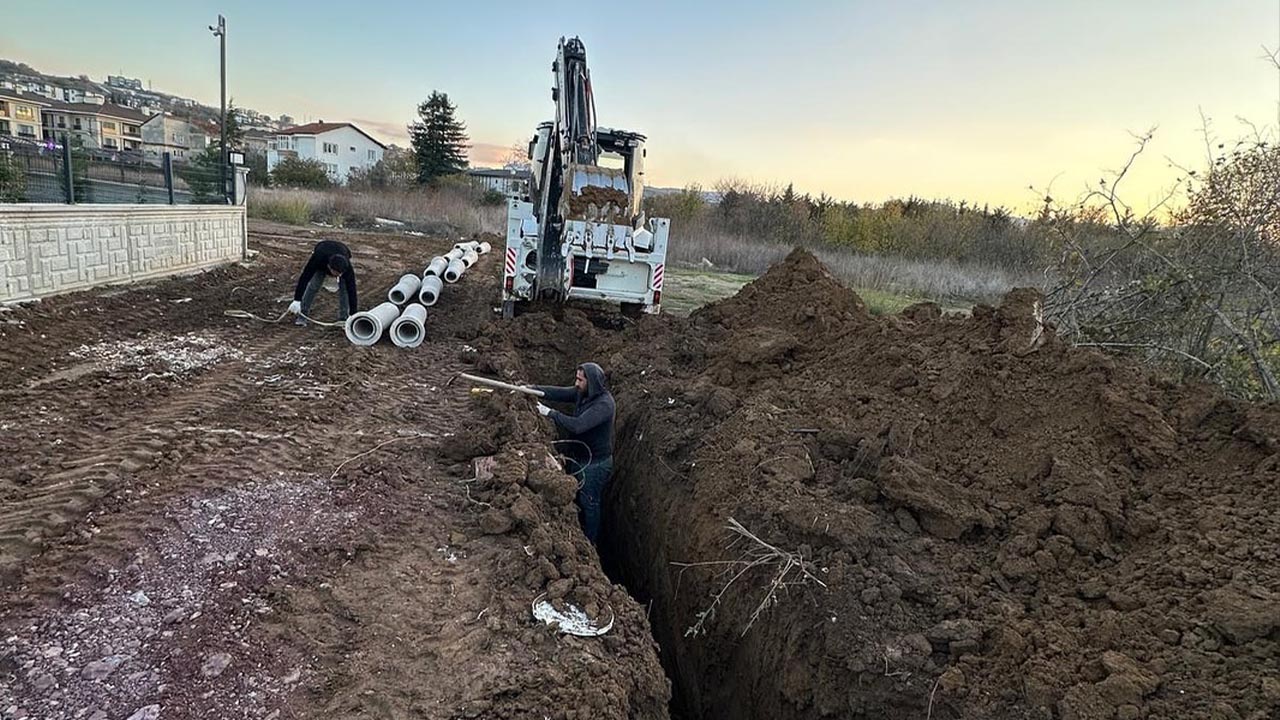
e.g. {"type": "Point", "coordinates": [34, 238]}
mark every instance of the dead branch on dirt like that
{"type": "Point", "coordinates": [933, 692]}
{"type": "Point", "coordinates": [788, 569]}
{"type": "Point", "coordinates": [377, 447]}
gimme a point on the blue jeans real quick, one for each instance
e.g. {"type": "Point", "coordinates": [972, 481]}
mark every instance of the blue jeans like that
{"type": "Point", "coordinates": [313, 287]}
{"type": "Point", "coordinates": [592, 480]}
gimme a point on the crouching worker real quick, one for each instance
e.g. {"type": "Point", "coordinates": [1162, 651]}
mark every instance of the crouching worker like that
{"type": "Point", "coordinates": [329, 266]}
{"type": "Point", "coordinates": [591, 425]}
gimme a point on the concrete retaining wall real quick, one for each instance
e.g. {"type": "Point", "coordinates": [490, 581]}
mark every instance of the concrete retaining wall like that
{"type": "Point", "coordinates": [51, 249]}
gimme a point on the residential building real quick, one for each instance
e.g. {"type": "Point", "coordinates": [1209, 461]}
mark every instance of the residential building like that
{"type": "Point", "coordinates": [168, 134]}
{"type": "Point", "coordinates": [98, 125]}
{"type": "Point", "coordinates": [78, 95]}
{"type": "Point", "coordinates": [257, 141]}
{"type": "Point", "coordinates": [124, 83]}
{"type": "Point", "coordinates": [340, 147]}
{"type": "Point", "coordinates": [22, 114]}
{"type": "Point", "coordinates": [508, 181]}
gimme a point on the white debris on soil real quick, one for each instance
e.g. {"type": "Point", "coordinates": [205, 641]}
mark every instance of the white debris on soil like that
{"type": "Point", "coordinates": [572, 620]}
{"type": "Point", "coordinates": [387, 221]}
{"type": "Point", "coordinates": [173, 628]}
{"type": "Point", "coordinates": [160, 355]}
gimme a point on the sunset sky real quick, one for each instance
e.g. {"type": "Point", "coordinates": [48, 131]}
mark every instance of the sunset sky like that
{"type": "Point", "coordinates": [864, 101]}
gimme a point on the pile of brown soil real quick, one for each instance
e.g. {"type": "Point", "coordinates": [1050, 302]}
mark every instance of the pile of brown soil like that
{"type": "Point", "coordinates": [595, 203]}
{"type": "Point", "coordinates": [987, 522]}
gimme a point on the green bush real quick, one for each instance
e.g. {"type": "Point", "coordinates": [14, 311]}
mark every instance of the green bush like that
{"type": "Point", "coordinates": [13, 181]}
{"type": "Point", "coordinates": [297, 173]}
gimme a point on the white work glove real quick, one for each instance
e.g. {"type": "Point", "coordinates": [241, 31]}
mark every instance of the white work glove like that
{"type": "Point", "coordinates": [295, 307]}
{"type": "Point", "coordinates": [543, 410]}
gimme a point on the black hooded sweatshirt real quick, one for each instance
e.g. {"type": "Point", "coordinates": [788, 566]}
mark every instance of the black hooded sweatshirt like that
{"type": "Point", "coordinates": [592, 420]}
{"type": "Point", "coordinates": [319, 263]}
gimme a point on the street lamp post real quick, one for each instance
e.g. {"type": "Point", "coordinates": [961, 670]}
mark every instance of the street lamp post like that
{"type": "Point", "coordinates": [220, 32]}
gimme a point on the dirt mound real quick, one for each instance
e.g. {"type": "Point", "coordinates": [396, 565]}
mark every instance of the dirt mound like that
{"type": "Point", "coordinates": [1002, 526]}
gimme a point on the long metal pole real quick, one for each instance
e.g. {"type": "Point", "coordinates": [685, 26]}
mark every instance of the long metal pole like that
{"type": "Point", "coordinates": [222, 160]}
{"type": "Point", "coordinates": [500, 385]}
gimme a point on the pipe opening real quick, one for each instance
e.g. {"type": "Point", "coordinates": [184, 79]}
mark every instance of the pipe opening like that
{"type": "Point", "coordinates": [364, 328]}
{"type": "Point", "coordinates": [408, 333]}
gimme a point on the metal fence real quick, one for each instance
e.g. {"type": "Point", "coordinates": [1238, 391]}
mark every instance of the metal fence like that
{"type": "Point", "coordinates": [33, 171]}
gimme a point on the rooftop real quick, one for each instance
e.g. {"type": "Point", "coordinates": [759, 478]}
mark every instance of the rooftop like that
{"type": "Point", "coordinates": [317, 128]}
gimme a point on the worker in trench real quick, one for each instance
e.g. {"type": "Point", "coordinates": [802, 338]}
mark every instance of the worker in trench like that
{"type": "Point", "coordinates": [329, 267]}
{"type": "Point", "coordinates": [587, 438]}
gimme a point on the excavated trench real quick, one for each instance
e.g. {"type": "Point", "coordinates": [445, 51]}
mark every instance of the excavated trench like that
{"type": "Point", "coordinates": [636, 551]}
{"type": "Point", "coordinates": [652, 522]}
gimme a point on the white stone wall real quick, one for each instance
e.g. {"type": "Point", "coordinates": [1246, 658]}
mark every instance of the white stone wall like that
{"type": "Point", "coordinates": [51, 249]}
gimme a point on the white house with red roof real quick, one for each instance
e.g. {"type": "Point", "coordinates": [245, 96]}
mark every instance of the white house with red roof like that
{"type": "Point", "coordinates": [340, 147]}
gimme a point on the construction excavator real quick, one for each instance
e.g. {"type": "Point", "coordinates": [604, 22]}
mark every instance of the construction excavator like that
{"type": "Point", "coordinates": [581, 232]}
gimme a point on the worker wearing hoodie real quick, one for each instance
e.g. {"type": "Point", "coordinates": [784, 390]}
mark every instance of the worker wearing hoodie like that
{"type": "Point", "coordinates": [591, 424]}
{"type": "Point", "coordinates": [329, 264]}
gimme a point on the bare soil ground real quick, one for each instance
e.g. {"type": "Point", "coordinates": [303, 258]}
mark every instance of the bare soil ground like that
{"type": "Point", "coordinates": [950, 516]}
{"type": "Point", "coordinates": [823, 513]}
{"type": "Point", "coordinates": [177, 539]}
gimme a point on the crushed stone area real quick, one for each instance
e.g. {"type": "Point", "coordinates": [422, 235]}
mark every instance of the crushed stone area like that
{"type": "Point", "coordinates": [118, 648]}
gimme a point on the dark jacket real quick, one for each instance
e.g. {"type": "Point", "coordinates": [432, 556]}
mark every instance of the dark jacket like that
{"type": "Point", "coordinates": [319, 263]}
{"type": "Point", "coordinates": [592, 420]}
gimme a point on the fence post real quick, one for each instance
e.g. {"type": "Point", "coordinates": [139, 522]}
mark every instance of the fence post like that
{"type": "Point", "coordinates": [66, 172]}
{"type": "Point", "coordinates": [167, 164]}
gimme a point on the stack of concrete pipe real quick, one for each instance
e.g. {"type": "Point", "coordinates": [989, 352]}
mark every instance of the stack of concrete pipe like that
{"type": "Point", "coordinates": [407, 327]}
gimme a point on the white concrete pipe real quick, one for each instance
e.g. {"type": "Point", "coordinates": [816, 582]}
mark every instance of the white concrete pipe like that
{"type": "Point", "coordinates": [467, 245]}
{"type": "Point", "coordinates": [405, 290]}
{"type": "Point", "coordinates": [454, 254]}
{"type": "Point", "coordinates": [431, 289]}
{"type": "Point", "coordinates": [436, 267]}
{"type": "Point", "coordinates": [484, 248]}
{"type": "Point", "coordinates": [454, 271]}
{"type": "Point", "coordinates": [366, 328]}
{"type": "Point", "coordinates": [470, 258]}
{"type": "Point", "coordinates": [410, 329]}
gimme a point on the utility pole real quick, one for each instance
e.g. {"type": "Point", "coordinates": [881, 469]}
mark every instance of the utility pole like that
{"type": "Point", "coordinates": [220, 32]}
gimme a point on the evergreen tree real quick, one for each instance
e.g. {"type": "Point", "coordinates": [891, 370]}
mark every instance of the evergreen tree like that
{"type": "Point", "coordinates": [13, 180]}
{"type": "Point", "coordinates": [439, 139]}
{"type": "Point", "coordinates": [235, 133]}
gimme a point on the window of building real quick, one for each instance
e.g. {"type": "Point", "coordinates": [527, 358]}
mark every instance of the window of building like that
{"type": "Point", "coordinates": [26, 131]}
{"type": "Point", "coordinates": [4, 127]}
{"type": "Point", "coordinates": [331, 148]}
{"type": "Point", "coordinates": [108, 126]}
{"type": "Point", "coordinates": [373, 154]}
{"type": "Point", "coordinates": [109, 143]}
{"type": "Point", "coordinates": [4, 108]}
{"type": "Point", "coordinates": [76, 124]}
{"type": "Point", "coordinates": [25, 112]}
{"type": "Point", "coordinates": [353, 148]}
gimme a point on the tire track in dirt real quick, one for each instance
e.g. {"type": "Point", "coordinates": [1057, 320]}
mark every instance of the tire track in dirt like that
{"type": "Point", "coordinates": [92, 465]}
